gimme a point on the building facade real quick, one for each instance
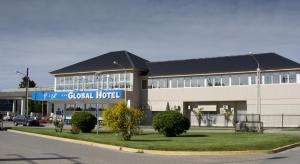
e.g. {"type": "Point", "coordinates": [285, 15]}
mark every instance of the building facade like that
{"type": "Point", "coordinates": [212, 85]}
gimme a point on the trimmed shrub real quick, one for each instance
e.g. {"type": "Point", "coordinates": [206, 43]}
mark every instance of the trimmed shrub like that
{"type": "Point", "coordinates": [84, 121]}
{"type": "Point", "coordinates": [170, 123]}
{"type": "Point", "coordinates": [123, 120]}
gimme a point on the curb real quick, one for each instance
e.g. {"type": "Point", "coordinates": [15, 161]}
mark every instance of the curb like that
{"type": "Point", "coordinates": [161, 152]}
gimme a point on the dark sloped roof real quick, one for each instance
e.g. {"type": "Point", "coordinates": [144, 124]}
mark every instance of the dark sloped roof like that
{"type": "Point", "coordinates": [268, 61]}
{"type": "Point", "coordinates": [105, 62]}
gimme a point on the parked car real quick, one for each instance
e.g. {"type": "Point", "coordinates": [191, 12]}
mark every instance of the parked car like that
{"type": "Point", "coordinates": [44, 120]}
{"type": "Point", "coordinates": [25, 121]}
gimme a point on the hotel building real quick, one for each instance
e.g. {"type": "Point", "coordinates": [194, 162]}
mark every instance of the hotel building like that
{"type": "Point", "coordinates": [210, 84]}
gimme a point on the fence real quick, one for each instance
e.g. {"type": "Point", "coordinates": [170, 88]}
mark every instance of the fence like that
{"type": "Point", "coordinates": [281, 121]}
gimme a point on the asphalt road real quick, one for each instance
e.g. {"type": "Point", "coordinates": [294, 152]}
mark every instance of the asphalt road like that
{"type": "Point", "coordinates": [19, 148]}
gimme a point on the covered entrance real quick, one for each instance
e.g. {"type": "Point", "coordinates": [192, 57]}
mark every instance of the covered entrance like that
{"type": "Point", "coordinates": [214, 113]}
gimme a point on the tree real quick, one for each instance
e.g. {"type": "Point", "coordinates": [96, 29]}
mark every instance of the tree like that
{"type": "Point", "coordinates": [22, 84]}
{"type": "Point", "coordinates": [199, 115]}
{"type": "Point", "coordinates": [123, 120]}
{"type": "Point", "coordinates": [168, 107]}
{"type": "Point", "coordinates": [227, 114]}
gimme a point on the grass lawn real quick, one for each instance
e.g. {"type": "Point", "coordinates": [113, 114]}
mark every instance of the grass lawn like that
{"type": "Point", "coordinates": [192, 141]}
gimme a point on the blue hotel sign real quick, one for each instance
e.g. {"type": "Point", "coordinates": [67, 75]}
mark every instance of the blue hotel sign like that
{"type": "Point", "coordinates": [77, 95]}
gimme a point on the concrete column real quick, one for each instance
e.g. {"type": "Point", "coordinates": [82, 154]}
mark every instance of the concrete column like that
{"type": "Point", "coordinates": [22, 107]}
{"type": "Point", "coordinates": [14, 106]}
{"type": "Point", "coordinates": [49, 108]}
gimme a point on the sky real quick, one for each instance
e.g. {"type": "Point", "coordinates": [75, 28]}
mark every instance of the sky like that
{"type": "Point", "coordinates": [48, 35]}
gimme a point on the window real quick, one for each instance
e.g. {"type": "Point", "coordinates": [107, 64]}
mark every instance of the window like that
{"type": "Point", "coordinates": [128, 80]}
{"type": "Point", "coordinates": [209, 81]}
{"type": "Point", "coordinates": [276, 78]}
{"type": "Point", "coordinates": [180, 82]}
{"type": "Point", "coordinates": [292, 77]}
{"type": "Point", "coordinates": [225, 80]}
{"type": "Point", "coordinates": [284, 78]}
{"type": "Point", "coordinates": [154, 83]}
{"type": "Point", "coordinates": [268, 78]}
{"type": "Point", "coordinates": [194, 82]}
{"type": "Point", "coordinates": [217, 81]}
{"type": "Point", "coordinates": [187, 82]}
{"type": "Point", "coordinates": [149, 83]}
{"type": "Point", "coordinates": [235, 80]}
{"type": "Point", "coordinates": [110, 80]}
{"type": "Point", "coordinates": [201, 82]}
{"type": "Point", "coordinates": [253, 78]}
{"type": "Point", "coordinates": [162, 83]}
{"type": "Point", "coordinates": [117, 81]}
{"type": "Point", "coordinates": [244, 80]}
{"type": "Point", "coordinates": [144, 84]}
{"type": "Point", "coordinates": [122, 80]}
{"type": "Point", "coordinates": [173, 83]}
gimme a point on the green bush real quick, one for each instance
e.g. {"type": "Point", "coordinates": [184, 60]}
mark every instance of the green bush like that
{"type": "Point", "coordinates": [123, 120]}
{"type": "Point", "coordinates": [84, 121]}
{"type": "Point", "coordinates": [170, 123]}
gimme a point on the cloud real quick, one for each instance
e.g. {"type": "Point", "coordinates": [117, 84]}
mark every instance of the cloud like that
{"type": "Point", "coordinates": [48, 35]}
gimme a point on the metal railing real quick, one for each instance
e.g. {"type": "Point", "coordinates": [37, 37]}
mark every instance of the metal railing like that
{"type": "Point", "coordinates": [278, 121]}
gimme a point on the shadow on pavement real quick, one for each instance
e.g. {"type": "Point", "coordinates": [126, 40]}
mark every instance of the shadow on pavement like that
{"type": "Point", "coordinates": [32, 160]}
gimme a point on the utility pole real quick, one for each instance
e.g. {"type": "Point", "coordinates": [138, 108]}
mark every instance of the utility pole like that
{"type": "Point", "coordinates": [27, 86]}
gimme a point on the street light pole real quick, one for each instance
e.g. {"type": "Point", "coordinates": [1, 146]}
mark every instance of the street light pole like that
{"type": "Point", "coordinates": [125, 71]}
{"type": "Point", "coordinates": [26, 87]}
{"type": "Point", "coordinates": [258, 80]}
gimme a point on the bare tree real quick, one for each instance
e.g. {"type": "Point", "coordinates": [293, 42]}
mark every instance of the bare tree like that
{"type": "Point", "coordinates": [198, 114]}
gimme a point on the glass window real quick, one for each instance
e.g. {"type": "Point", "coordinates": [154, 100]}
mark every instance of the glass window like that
{"type": "Point", "coordinates": [150, 83]}
{"type": "Point", "coordinates": [180, 82]}
{"type": "Point", "coordinates": [217, 81]}
{"type": "Point", "coordinates": [144, 84]}
{"type": "Point", "coordinates": [122, 77]}
{"type": "Point", "coordinates": [79, 107]}
{"type": "Point", "coordinates": [90, 107]}
{"type": "Point", "coordinates": [244, 80]}
{"type": "Point", "coordinates": [162, 83]}
{"type": "Point", "coordinates": [194, 82]}
{"type": "Point", "coordinates": [154, 83]}
{"type": "Point", "coordinates": [128, 80]}
{"type": "Point", "coordinates": [173, 83]}
{"type": "Point", "coordinates": [117, 81]}
{"type": "Point", "coordinates": [253, 79]}
{"type": "Point", "coordinates": [110, 82]}
{"type": "Point", "coordinates": [292, 77]}
{"type": "Point", "coordinates": [276, 78]}
{"type": "Point", "coordinates": [201, 82]}
{"type": "Point", "coordinates": [209, 81]}
{"type": "Point", "coordinates": [225, 80]}
{"type": "Point", "coordinates": [187, 82]}
{"type": "Point", "coordinates": [268, 78]}
{"type": "Point", "coordinates": [235, 80]}
{"type": "Point", "coordinates": [284, 78]}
